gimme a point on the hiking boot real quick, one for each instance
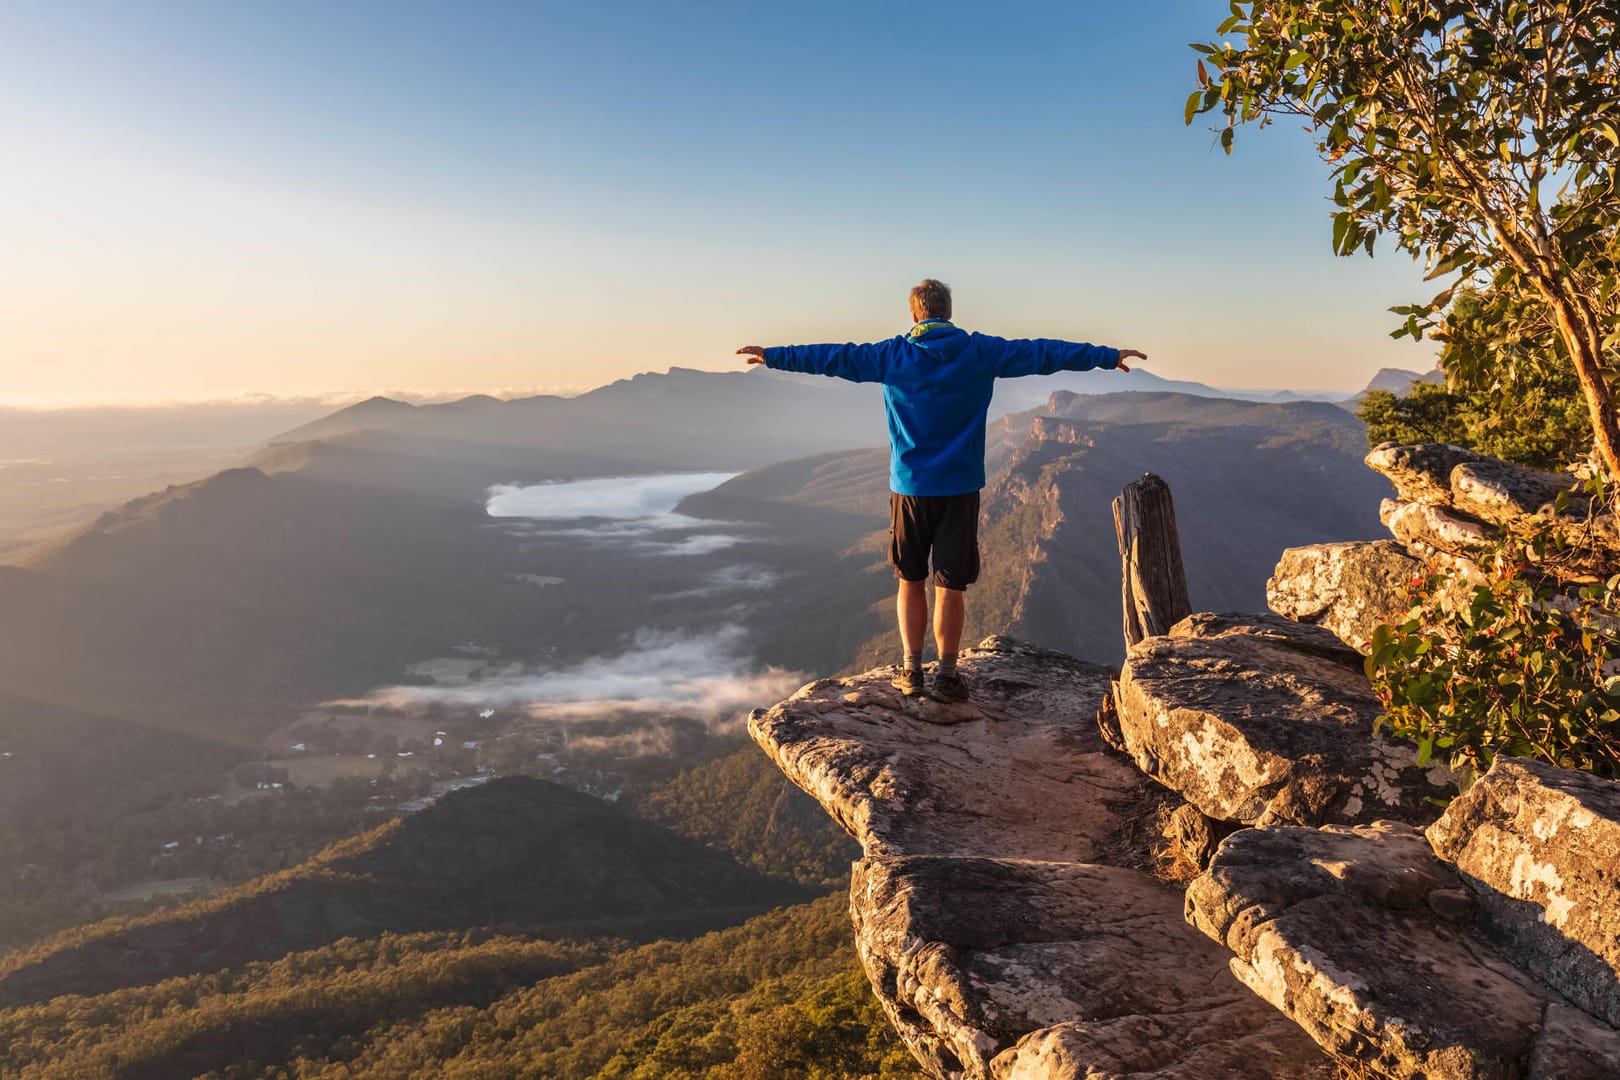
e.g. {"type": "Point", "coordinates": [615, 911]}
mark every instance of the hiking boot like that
{"type": "Point", "coordinates": [949, 689]}
{"type": "Point", "coordinates": [909, 681]}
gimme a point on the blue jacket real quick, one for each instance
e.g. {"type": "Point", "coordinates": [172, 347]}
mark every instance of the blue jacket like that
{"type": "Point", "coordinates": [937, 382]}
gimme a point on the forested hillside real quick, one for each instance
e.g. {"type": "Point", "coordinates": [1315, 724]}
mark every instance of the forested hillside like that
{"type": "Point", "coordinates": [781, 995]}
{"type": "Point", "coordinates": [517, 852]}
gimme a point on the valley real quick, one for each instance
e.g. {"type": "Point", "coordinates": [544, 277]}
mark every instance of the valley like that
{"type": "Point", "coordinates": [450, 626]}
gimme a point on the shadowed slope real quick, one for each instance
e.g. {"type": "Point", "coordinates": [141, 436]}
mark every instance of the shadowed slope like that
{"type": "Point", "coordinates": [516, 852]}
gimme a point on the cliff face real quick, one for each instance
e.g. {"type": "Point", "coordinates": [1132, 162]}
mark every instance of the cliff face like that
{"type": "Point", "coordinates": [1000, 908]}
{"type": "Point", "coordinates": [1051, 573]}
{"type": "Point", "coordinates": [1018, 908]}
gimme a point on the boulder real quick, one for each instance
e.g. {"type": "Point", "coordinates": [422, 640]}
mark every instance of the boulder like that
{"type": "Point", "coordinates": [1011, 968]}
{"type": "Point", "coordinates": [1347, 588]}
{"type": "Point", "coordinates": [1457, 503]}
{"type": "Point", "coordinates": [1422, 472]}
{"type": "Point", "coordinates": [1259, 720]}
{"type": "Point", "coordinates": [1338, 928]}
{"type": "Point", "coordinates": [1540, 847]}
{"type": "Point", "coordinates": [1499, 492]}
{"type": "Point", "coordinates": [1025, 773]}
{"type": "Point", "coordinates": [1423, 527]}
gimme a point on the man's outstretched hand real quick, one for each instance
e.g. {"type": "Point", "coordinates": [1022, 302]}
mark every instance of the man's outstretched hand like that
{"type": "Point", "coordinates": [1129, 354]}
{"type": "Point", "coordinates": [755, 354]}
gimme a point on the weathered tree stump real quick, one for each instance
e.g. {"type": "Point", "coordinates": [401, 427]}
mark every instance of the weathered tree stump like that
{"type": "Point", "coordinates": [1153, 582]}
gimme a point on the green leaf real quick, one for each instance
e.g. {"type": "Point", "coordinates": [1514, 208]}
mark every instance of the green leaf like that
{"type": "Point", "coordinates": [1193, 101]}
{"type": "Point", "coordinates": [1341, 229]}
{"type": "Point", "coordinates": [1446, 266]}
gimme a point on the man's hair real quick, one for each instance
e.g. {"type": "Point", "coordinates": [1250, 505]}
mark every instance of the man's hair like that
{"type": "Point", "coordinates": [931, 300]}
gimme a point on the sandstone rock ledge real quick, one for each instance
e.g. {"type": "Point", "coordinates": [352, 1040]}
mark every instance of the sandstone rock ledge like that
{"type": "Point", "coordinates": [1347, 588]}
{"type": "Point", "coordinates": [1257, 720]}
{"type": "Point", "coordinates": [1370, 942]}
{"type": "Point", "coordinates": [1540, 846]}
{"type": "Point", "coordinates": [1450, 505]}
{"type": "Point", "coordinates": [999, 942]}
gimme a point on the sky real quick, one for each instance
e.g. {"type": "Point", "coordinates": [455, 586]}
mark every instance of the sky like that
{"type": "Point", "coordinates": [202, 200]}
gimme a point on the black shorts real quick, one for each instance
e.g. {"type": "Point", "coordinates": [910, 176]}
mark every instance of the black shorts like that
{"type": "Point", "coordinates": [944, 526]}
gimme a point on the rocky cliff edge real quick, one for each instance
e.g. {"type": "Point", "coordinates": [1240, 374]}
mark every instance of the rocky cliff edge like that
{"type": "Point", "coordinates": [1001, 910]}
{"type": "Point", "coordinates": [1023, 907]}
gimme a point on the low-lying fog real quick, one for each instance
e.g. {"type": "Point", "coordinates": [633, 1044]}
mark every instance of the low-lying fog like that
{"type": "Point", "coordinates": [707, 677]}
{"type": "Point", "coordinates": [705, 674]}
{"type": "Point", "coordinates": [633, 512]}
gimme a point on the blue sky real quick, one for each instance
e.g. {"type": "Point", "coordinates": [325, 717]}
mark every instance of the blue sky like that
{"type": "Point", "coordinates": [206, 199]}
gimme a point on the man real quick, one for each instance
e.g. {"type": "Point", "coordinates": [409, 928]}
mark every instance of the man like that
{"type": "Point", "coordinates": [937, 381]}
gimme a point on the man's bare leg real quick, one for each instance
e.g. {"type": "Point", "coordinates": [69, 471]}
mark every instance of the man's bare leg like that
{"type": "Point", "coordinates": [949, 613]}
{"type": "Point", "coordinates": [911, 608]}
{"type": "Point", "coordinates": [949, 609]}
{"type": "Point", "coordinates": [911, 605]}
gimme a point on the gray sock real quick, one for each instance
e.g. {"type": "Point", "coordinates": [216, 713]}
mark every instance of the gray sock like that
{"type": "Point", "coordinates": [913, 661]}
{"type": "Point", "coordinates": [947, 664]}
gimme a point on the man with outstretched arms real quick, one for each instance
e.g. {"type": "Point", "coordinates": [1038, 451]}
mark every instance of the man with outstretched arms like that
{"type": "Point", "coordinates": [937, 381]}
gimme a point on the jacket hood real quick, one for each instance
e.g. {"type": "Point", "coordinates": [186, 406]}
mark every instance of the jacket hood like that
{"type": "Point", "coordinates": [940, 337]}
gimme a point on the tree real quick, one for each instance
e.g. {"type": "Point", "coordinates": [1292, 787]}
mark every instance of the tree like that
{"type": "Point", "coordinates": [1426, 413]}
{"type": "Point", "coordinates": [1448, 122]}
{"type": "Point", "coordinates": [1509, 389]}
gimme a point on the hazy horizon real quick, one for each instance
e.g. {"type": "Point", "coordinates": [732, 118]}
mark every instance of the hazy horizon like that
{"type": "Point", "coordinates": [342, 398]}
{"type": "Point", "coordinates": [204, 201]}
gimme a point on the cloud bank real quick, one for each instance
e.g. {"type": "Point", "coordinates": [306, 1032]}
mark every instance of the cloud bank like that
{"type": "Point", "coordinates": [704, 677]}
{"type": "Point", "coordinates": [623, 497]}
{"type": "Point", "coordinates": [635, 513]}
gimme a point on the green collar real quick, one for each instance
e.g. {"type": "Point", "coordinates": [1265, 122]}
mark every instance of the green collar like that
{"type": "Point", "coordinates": [926, 325]}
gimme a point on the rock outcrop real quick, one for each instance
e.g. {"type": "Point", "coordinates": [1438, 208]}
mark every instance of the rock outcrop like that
{"type": "Point", "coordinates": [1039, 969]}
{"type": "Point", "coordinates": [1367, 940]}
{"type": "Point", "coordinates": [998, 937]}
{"type": "Point", "coordinates": [1258, 720]}
{"type": "Point", "coordinates": [1018, 772]}
{"type": "Point", "coordinates": [1455, 502]}
{"type": "Point", "coordinates": [1451, 506]}
{"type": "Point", "coordinates": [1346, 588]}
{"type": "Point", "coordinates": [1002, 916]}
{"type": "Point", "coordinates": [1540, 847]}
{"type": "Point", "coordinates": [1002, 911]}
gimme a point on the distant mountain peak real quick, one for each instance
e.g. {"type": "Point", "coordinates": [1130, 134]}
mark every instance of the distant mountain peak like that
{"type": "Point", "coordinates": [1400, 380]}
{"type": "Point", "coordinates": [373, 412]}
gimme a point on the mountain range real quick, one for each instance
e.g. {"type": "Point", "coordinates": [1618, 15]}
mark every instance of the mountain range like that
{"type": "Point", "coordinates": [642, 412]}
{"type": "Point", "coordinates": [1249, 479]}
{"type": "Point", "coordinates": [213, 611]}
{"type": "Point", "coordinates": [155, 653]}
